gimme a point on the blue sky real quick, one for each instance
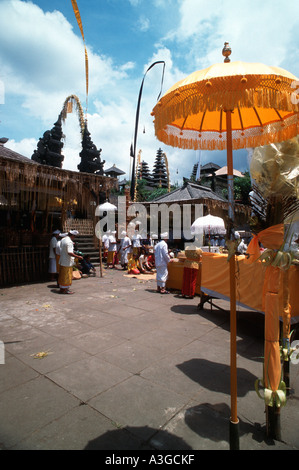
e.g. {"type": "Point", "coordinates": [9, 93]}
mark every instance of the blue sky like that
{"type": "Point", "coordinates": [42, 62]}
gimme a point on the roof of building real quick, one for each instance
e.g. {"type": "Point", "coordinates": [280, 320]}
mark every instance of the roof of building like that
{"type": "Point", "coordinates": [188, 192]}
{"type": "Point", "coordinates": [12, 155]}
{"type": "Point", "coordinates": [114, 169]}
{"type": "Point", "coordinates": [209, 166]}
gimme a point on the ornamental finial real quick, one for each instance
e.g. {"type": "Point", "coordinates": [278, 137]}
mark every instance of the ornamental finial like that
{"type": "Point", "coordinates": [226, 52]}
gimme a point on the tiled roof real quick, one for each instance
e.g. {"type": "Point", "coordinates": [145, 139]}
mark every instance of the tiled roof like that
{"type": "Point", "coordinates": [210, 166]}
{"type": "Point", "coordinates": [114, 169]}
{"type": "Point", "coordinates": [12, 155]}
{"type": "Point", "coordinates": [189, 191]}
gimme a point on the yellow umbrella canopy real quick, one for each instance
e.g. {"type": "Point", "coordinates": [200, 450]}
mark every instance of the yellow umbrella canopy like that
{"type": "Point", "coordinates": [263, 101]}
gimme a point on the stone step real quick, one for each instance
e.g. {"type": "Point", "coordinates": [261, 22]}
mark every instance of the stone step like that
{"type": "Point", "coordinates": [86, 245]}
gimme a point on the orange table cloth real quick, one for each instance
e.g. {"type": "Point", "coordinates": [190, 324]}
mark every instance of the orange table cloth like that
{"type": "Point", "coordinates": [214, 280]}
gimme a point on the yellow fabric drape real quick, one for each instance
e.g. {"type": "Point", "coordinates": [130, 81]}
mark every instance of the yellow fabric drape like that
{"type": "Point", "coordinates": [79, 21]}
{"type": "Point", "coordinates": [272, 365]}
{"type": "Point", "coordinates": [271, 237]}
{"type": "Point", "coordinates": [78, 17]}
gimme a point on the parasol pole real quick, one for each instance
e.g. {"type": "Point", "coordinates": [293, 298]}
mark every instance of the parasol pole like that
{"type": "Point", "coordinates": [286, 329]}
{"type": "Point", "coordinates": [234, 421]}
{"type": "Point", "coordinates": [101, 252]}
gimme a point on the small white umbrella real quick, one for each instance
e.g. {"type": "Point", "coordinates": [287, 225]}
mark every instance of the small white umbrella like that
{"type": "Point", "coordinates": [106, 207]}
{"type": "Point", "coordinates": [209, 224]}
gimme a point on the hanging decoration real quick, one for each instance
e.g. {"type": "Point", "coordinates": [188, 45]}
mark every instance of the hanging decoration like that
{"type": "Point", "coordinates": [136, 174]}
{"type": "Point", "coordinates": [167, 171]}
{"type": "Point", "coordinates": [133, 147]}
{"type": "Point", "coordinates": [78, 18]}
{"type": "Point", "coordinates": [68, 106]}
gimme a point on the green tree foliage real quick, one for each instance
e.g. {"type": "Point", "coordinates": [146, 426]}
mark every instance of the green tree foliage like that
{"type": "Point", "coordinates": [144, 194]}
{"type": "Point", "coordinates": [242, 188]}
{"type": "Point", "coordinates": [157, 193]}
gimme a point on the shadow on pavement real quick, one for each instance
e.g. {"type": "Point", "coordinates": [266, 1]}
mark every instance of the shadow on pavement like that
{"type": "Point", "coordinates": [127, 439]}
{"type": "Point", "coordinates": [216, 376]}
{"type": "Point", "coordinates": [212, 422]}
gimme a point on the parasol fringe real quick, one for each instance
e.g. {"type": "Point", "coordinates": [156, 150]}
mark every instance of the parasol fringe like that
{"type": "Point", "coordinates": [200, 98]}
{"type": "Point", "coordinates": [250, 141]}
{"type": "Point", "coordinates": [229, 93]}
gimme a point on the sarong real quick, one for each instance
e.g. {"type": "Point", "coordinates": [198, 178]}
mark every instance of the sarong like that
{"type": "Point", "coordinates": [189, 281]}
{"type": "Point", "coordinates": [110, 257]}
{"type": "Point", "coordinates": [65, 276]}
{"type": "Point", "coordinates": [124, 257]}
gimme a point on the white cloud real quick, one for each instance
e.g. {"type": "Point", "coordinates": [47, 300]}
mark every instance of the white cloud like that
{"type": "Point", "coordinates": [42, 59]}
{"type": "Point", "coordinates": [257, 31]}
{"type": "Point", "coordinates": [134, 3]}
{"type": "Point", "coordinates": [42, 62]}
{"type": "Point", "coordinates": [143, 24]}
{"type": "Point", "coordinates": [24, 147]}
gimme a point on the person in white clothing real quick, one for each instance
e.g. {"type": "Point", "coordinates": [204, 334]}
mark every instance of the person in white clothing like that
{"type": "Point", "coordinates": [242, 247]}
{"type": "Point", "coordinates": [66, 262]}
{"type": "Point", "coordinates": [162, 259]}
{"type": "Point", "coordinates": [136, 242]}
{"type": "Point", "coordinates": [125, 249]}
{"type": "Point", "coordinates": [105, 241]}
{"type": "Point", "coordinates": [112, 250]}
{"type": "Point", "coordinates": [58, 251]}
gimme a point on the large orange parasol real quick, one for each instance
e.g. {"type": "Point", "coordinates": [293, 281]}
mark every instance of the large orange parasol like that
{"type": "Point", "coordinates": [231, 105]}
{"type": "Point", "coordinates": [261, 102]}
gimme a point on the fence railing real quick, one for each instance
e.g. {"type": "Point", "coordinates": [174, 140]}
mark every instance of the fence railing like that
{"type": "Point", "coordinates": [84, 226]}
{"type": "Point", "coordinates": [23, 264]}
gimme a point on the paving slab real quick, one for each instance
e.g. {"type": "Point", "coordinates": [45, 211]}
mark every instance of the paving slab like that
{"type": "Point", "coordinates": [117, 366]}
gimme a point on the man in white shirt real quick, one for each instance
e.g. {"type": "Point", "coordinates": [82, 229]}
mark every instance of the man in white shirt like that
{"type": "Point", "coordinates": [66, 262]}
{"type": "Point", "coordinates": [125, 249]}
{"type": "Point", "coordinates": [242, 247]}
{"type": "Point", "coordinates": [112, 249]}
{"type": "Point", "coordinates": [162, 259]}
{"type": "Point", "coordinates": [52, 255]}
{"type": "Point", "coordinates": [136, 242]}
{"type": "Point", "coordinates": [57, 252]}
